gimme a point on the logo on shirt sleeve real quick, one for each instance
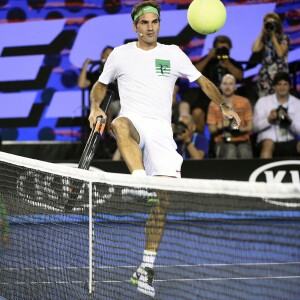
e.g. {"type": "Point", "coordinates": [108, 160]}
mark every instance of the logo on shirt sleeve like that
{"type": "Point", "coordinates": [162, 67]}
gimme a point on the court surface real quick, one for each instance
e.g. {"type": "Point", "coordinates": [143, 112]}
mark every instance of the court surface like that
{"type": "Point", "coordinates": [258, 259]}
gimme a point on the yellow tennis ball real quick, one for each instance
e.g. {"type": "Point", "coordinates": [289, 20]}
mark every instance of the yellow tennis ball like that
{"type": "Point", "coordinates": [206, 16]}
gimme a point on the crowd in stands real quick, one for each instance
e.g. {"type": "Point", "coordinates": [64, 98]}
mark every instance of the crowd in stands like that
{"type": "Point", "coordinates": [269, 111]}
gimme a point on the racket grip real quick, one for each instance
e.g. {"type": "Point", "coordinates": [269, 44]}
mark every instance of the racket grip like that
{"type": "Point", "coordinates": [100, 125]}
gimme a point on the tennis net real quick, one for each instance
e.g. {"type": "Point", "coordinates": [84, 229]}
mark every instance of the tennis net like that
{"type": "Point", "coordinates": [68, 233]}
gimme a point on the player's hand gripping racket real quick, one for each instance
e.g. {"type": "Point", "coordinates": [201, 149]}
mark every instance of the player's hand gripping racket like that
{"type": "Point", "coordinates": [95, 135]}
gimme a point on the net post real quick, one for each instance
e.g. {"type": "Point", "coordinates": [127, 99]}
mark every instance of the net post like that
{"type": "Point", "coordinates": [91, 241]}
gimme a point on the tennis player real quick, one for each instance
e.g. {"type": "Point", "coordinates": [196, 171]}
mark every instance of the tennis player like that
{"type": "Point", "coordinates": [146, 72]}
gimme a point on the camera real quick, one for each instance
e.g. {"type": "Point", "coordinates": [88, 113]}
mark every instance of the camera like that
{"type": "Point", "coordinates": [226, 136]}
{"type": "Point", "coordinates": [284, 119]}
{"type": "Point", "coordinates": [230, 133]}
{"type": "Point", "coordinates": [180, 128]}
{"type": "Point", "coordinates": [222, 53]}
{"type": "Point", "coordinates": [271, 26]}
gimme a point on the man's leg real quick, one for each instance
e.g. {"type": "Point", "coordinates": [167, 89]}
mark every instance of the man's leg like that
{"type": "Point", "coordinates": [155, 229]}
{"type": "Point", "coordinates": [267, 149]}
{"type": "Point", "coordinates": [228, 151]}
{"type": "Point", "coordinates": [156, 223]}
{"type": "Point", "coordinates": [245, 150]}
{"type": "Point", "coordinates": [155, 226]}
{"type": "Point", "coordinates": [127, 140]}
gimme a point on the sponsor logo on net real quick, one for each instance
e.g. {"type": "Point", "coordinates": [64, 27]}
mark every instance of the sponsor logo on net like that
{"type": "Point", "coordinates": [286, 171]}
{"type": "Point", "coordinates": [280, 171]}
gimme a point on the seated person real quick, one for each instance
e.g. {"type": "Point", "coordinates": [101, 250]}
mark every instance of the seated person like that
{"type": "Point", "coordinates": [190, 144]}
{"type": "Point", "coordinates": [230, 143]}
{"type": "Point", "coordinates": [217, 63]}
{"type": "Point", "coordinates": [197, 113]}
{"type": "Point", "coordinates": [277, 121]}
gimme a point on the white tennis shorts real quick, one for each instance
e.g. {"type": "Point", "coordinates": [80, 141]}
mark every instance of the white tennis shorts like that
{"type": "Point", "coordinates": [160, 157]}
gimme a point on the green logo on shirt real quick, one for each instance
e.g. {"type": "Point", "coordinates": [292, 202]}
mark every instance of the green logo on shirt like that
{"type": "Point", "coordinates": [162, 67]}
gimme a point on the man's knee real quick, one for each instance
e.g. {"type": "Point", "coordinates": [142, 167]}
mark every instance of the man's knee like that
{"type": "Point", "coordinates": [121, 127]}
{"type": "Point", "coordinates": [124, 130]}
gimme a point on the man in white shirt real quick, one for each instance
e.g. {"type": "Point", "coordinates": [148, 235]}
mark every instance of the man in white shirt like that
{"type": "Point", "coordinates": [146, 72]}
{"type": "Point", "coordinates": [277, 121]}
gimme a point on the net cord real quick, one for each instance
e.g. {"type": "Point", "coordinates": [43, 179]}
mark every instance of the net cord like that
{"type": "Point", "coordinates": [202, 186]}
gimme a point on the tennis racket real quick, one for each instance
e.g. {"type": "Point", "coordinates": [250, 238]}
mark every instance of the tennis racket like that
{"type": "Point", "coordinates": [95, 135]}
{"type": "Point", "coordinates": [89, 150]}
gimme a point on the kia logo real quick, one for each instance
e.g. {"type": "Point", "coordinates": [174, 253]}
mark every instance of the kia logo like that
{"type": "Point", "coordinates": [286, 171]}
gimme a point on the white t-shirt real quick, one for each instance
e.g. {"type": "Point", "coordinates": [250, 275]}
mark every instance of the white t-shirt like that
{"type": "Point", "coordinates": [146, 78]}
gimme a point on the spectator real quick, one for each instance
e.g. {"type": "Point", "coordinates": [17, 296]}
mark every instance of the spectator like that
{"type": "Point", "coordinates": [228, 142]}
{"type": "Point", "coordinates": [273, 46]}
{"type": "Point", "coordinates": [197, 113]}
{"type": "Point", "coordinates": [218, 62]}
{"type": "Point", "coordinates": [190, 144]}
{"type": "Point", "coordinates": [185, 106]}
{"type": "Point", "coordinates": [86, 80]}
{"type": "Point", "coordinates": [214, 66]}
{"type": "Point", "coordinates": [277, 121]}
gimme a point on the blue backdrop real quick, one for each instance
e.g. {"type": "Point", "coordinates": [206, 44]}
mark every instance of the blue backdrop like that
{"type": "Point", "coordinates": [44, 43]}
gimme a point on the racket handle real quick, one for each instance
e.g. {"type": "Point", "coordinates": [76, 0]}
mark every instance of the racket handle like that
{"type": "Point", "coordinates": [100, 125]}
{"type": "Point", "coordinates": [95, 135]}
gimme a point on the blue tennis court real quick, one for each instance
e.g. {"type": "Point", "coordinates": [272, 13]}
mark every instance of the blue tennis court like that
{"type": "Point", "coordinates": [216, 259]}
{"type": "Point", "coordinates": [73, 230]}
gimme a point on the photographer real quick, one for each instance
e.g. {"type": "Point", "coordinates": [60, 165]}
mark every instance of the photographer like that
{"type": "Point", "coordinates": [89, 74]}
{"type": "Point", "coordinates": [190, 144]}
{"type": "Point", "coordinates": [218, 62]}
{"type": "Point", "coordinates": [272, 45]}
{"type": "Point", "coordinates": [230, 143]}
{"type": "Point", "coordinates": [277, 121]}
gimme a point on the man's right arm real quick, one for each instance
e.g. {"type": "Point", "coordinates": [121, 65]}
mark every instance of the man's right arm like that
{"type": "Point", "coordinates": [97, 95]}
{"type": "Point", "coordinates": [214, 94]}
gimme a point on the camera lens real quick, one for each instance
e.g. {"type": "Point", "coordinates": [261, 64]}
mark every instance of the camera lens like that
{"type": "Point", "coordinates": [222, 53]}
{"type": "Point", "coordinates": [270, 26]}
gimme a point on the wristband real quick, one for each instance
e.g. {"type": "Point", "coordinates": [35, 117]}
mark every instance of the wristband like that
{"type": "Point", "coordinates": [188, 143]}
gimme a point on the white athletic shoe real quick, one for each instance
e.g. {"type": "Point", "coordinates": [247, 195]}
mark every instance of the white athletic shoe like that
{"type": "Point", "coordinates": [143, 278]}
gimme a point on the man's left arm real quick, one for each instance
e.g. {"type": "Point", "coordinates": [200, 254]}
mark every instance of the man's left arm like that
{"type": "Point", "coordinates": [213, 94]}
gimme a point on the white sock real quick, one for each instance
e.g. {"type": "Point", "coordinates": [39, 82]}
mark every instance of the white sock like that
{"type": "Point", "coordinates": [148, 259]}
{"type": "Point", "coordinates": [139, 173]}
